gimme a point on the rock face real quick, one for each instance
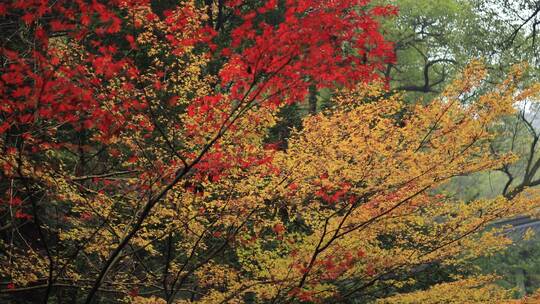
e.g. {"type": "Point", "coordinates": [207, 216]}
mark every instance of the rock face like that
{"type": "Point", "coordinates": [517, 227]}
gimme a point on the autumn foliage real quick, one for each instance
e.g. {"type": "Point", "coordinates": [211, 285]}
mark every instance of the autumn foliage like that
{"type": "Point", "coordinates": [136, 166]}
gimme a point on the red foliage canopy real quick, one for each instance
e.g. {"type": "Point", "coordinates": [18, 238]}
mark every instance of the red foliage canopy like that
{"type": "Point", "coordinates": [320, 42]}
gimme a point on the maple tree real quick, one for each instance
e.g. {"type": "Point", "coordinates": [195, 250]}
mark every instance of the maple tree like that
{"type": "Point", "coordinates": [107, 107]}
{"type": "Point", "coordinates": [136, 165]}
{"type": "Point", "coordinates": [352, 208]}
